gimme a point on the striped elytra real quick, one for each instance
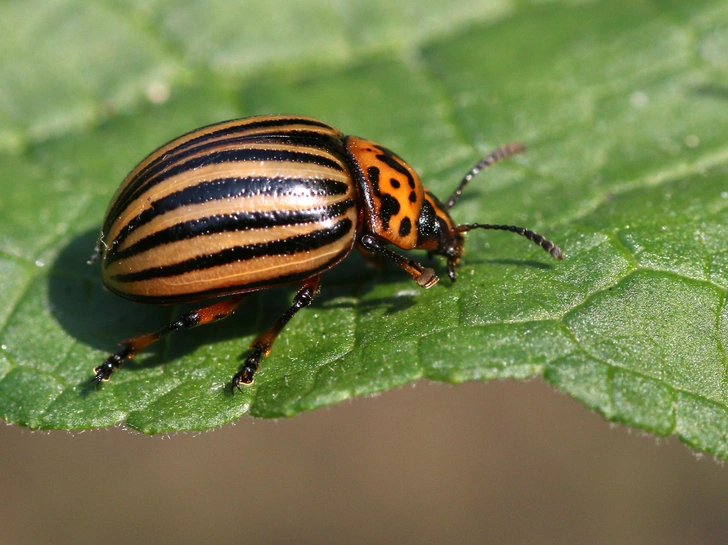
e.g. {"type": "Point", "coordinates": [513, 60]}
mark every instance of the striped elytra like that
{"type": "Point", "coordinates": [229, 208]}
{"type": "Point", "coordinates": [265, 201]}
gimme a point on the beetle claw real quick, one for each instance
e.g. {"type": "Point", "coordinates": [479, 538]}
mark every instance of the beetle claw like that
{"type": "Point", "coordinates": [427, 279]}
{"type": "Point", "coordinates": [112, 363]}
{"type": "Point", "coordinates": [245, 376]}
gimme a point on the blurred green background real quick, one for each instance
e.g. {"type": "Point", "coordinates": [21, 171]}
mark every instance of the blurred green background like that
{"type": "Point", "coordinates": [618, 102]}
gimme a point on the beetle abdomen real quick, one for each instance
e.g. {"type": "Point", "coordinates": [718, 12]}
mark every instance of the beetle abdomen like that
{"type": "Point", "coordinates": [231, 208]}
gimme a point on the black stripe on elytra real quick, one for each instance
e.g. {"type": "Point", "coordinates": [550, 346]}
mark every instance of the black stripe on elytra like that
{"type": "Point", "coordinates": [235, 288]}
{"type": "Point", "coordinates": [242, 128]}
{"type": "Point", "coordinates": [289, 246]}
{"type": "Point", "coordinates": [309, 139]}
{"type": "Point", "coordinates": [238, 132]}
{"type": "Point", "coordinates": [222, 223]}
{"type": "Point", "coordinates": [140, 185]}
{"type": "Point", "coordinates": [228, 188]}
{"type": "Point", "coordinates": [263, 124]}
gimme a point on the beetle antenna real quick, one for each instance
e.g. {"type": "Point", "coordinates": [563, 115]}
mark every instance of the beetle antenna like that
{"type": "Point", "coordinates": [546, 244]}
{"type": "Point", "coordinates": [493, 157]}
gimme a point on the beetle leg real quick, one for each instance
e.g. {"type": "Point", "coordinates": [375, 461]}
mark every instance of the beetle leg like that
{"type": "Point", "coordinates": [261, 346]}
{"type": "Point", "coordinates": [132, 346]}
{"type": "Point", "coordinates": [424, 276]}
{"type": "Point", "coordinates": [374, 259]}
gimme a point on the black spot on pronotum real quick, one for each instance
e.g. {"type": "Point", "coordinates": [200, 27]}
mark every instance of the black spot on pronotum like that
{"type": "Point", "coordinates": [389, 160]}
{"type": "Point", "coordinates": [390, 207]}
{"type": "Point", "coordinates": [394, 182]}
{"type": "Point", "coordinates": [405, 227]}
{"type": "Point", "coordinates": [413, 196]}
{"type": "Point", "coordinates": [373, 174]}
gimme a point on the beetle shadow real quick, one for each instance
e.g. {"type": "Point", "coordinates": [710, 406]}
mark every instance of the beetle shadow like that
{"type": "Point", "coordinates": [518, 262]}
{"type": "Point", "coordinates": [712, 90]}
{"type": "Point", "coordinates": [91, 314]}
{"type": "Point", "coordinates": [100, 319]}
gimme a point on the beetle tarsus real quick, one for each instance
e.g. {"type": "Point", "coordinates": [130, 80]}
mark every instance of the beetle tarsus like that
{"type": "Point", "coordinates": [246, 375]}
{"type": "Point", "coordinates": [427, 279]}
{"type": "Point", "coordinates": [103, 372]}
{"type": "Point", "coordinates": [451, 270]}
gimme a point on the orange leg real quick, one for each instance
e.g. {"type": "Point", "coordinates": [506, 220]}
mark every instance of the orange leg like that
{"type": "Point", "coordinates": [262, 345]}
{"type": "Point", "coordinates": [213, 313]}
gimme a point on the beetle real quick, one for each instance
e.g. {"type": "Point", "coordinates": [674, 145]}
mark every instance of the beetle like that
{"type": "Point", "coordinates": [254, 203]}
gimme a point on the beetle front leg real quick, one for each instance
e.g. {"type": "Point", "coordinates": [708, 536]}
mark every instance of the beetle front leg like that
{"type": "Point", "coordinates": [261, 346]}
{"type": "Point", "coordinates": [424, 276]}
{"type": "Point", "coordinates": [133, 346]}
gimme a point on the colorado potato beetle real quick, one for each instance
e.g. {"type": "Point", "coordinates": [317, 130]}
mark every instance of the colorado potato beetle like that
{"type": "Point", "coordinates": [250, 204]}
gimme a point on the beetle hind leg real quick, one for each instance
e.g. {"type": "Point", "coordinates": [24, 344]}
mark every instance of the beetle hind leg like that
{"type": "Point", "coordinates": [262, 344]}
{"type": "Point", "coordinates": [133, 346]}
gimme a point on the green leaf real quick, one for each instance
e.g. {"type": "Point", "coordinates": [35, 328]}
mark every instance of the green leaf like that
{"type": "Point", "coordinates": [619, 103]}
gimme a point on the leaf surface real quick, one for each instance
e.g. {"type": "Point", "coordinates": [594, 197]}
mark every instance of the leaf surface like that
{"type": "Point", "coordinates": [618, 102]}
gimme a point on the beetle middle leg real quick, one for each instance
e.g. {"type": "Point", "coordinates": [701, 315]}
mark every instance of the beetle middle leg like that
{"type": "Point", "coordinates": [261, 346]}
{"type": "Point", "coordinates": [206, 315]}
{"type": "Point", "coordinates": [424, 276]}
